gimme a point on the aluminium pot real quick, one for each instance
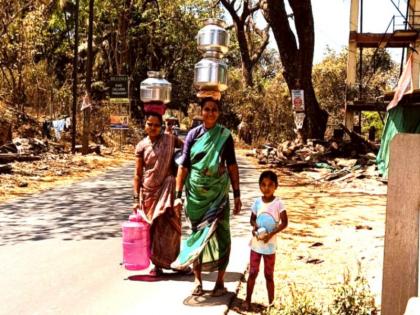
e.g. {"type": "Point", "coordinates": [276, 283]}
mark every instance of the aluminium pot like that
{"type": "Point", "coordinates": [155, 88]}
{"type": "Point", "coordinates": [213, 37]}
{"type": "Point", "coordinates": [210, 73]}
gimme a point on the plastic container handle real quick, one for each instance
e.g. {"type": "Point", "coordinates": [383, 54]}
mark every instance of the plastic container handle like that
{"type": "Point", "coordinates": [141, 213]}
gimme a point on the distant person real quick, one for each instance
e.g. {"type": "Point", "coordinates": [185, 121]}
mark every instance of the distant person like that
{"type": "Point", "coordinates": [172, 127]}
{"type": "Point", "coordinates": [154, 190]}
{"type": "Point", "coordinates": [208, 167]}
{"type": "Point", "coordinates": [268, 218]}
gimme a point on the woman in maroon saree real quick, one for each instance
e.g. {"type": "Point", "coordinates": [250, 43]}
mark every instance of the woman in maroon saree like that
{"type": "Point", "coordinates": [154, 188]}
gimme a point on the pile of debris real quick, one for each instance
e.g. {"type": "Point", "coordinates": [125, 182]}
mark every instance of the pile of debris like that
{"type": "Point", "coordinates": [32, 149]}
{"type": "Point", "coordinates": [333, 160]}
{"type": "Point", "coordinates": [25, 150]}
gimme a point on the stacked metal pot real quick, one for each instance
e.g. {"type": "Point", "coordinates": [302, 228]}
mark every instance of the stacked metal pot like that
{"type": "Point", "coordinates": [210, 73]}
{"type": "Point", "coordinates": [155, 92]}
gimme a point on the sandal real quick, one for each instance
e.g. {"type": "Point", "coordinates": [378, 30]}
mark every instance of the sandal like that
{"type": "Point", "coordinates": [186, 271]}
{"type": "Point", "coordinates": [219, 291]}
{"type": "Point", "coordinates": [155, 272]}
{"type": "Point", "coordinates": [198, 290]}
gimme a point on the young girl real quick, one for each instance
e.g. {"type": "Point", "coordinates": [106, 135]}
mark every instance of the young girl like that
{"type": "Point", "coordinates": [264, 244]}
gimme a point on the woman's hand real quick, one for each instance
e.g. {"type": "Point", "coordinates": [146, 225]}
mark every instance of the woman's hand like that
{"type": "Point", "coordinates": [178, 205]}
{"type": "Point", "coordinates": [136, 206]}
{"type": "Point", "coordinates": [238, 205]}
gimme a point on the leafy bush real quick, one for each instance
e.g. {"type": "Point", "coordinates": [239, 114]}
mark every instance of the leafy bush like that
{"type": "Point", "coordinates": [372, 119]}
{"type": "Point", "coordinates": [298, 302]}
{"type": "Point", "coordinates": [353, 296]}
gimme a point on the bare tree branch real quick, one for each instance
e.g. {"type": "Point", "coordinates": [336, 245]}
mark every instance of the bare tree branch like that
{"type": "Point", "coordinates": [266, 38]}
{"type": "Point", "coordinates": [229, 6]}
{"type": "Point", "coordinates": [251, 50]}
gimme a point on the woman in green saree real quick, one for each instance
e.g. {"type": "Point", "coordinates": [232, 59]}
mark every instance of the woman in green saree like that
{"type": "Point", "coordinates": [207, 166]}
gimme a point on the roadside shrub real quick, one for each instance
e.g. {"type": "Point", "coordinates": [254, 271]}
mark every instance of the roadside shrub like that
{"type": "Point", "coordinates": [353, 296]}
{"type": "Point", "coordinates": [298, 302]}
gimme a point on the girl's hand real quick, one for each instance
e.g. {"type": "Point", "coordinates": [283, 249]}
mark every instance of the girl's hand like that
{"type": "Point", "coordinates": [267, 237]}
{"type": "Point", "coordinates": [254, 230]}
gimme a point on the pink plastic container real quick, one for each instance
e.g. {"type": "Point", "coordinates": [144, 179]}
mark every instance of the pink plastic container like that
{"type": "Point", "coordinates": [136, 243]}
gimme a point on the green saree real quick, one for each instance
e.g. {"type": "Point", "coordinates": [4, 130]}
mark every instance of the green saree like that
{"type": "Point", "coordinates": [207, 204]}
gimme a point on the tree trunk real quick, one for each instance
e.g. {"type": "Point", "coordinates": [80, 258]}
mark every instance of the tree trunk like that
{"type": "Point", "coordinates": [297, 61]}
{"type": "Point", "coordinates": [75, 64]}
{"type": "Point", "coordinates": [86, 112]}
{"type": "Point", "coordinates": [245, 55]}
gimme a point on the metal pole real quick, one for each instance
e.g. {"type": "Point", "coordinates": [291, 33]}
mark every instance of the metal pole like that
{"type": "Point", "coordinates": [361, 64]}
{"type": "Point", "coordinates": [403, 49]}
{"type": "Point", "coordinates": [75, 62]}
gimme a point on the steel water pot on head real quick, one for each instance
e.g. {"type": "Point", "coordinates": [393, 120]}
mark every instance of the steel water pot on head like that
{"type": "Point", "coordinates": [213, 36]}
{"type": "Point", "coordinates": [210, 73]}
{"type": "Point", "coordinates": [155, 88]}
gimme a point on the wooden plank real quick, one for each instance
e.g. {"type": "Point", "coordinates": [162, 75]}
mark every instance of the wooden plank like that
{"type": "Point", "coordinates": [401, 252]}
{"type": "Point", "coordinates": [365, 106]}
{"type": "Point", "coordinates": [11, 157]}
{"type": "Point", "coordinates": [374, 40]}
{"type": "Point", "coordinates": [5, 168]}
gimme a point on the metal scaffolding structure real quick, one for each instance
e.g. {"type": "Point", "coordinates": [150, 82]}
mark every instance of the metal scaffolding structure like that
{"type": "Point", "coordinates": [405, 35]}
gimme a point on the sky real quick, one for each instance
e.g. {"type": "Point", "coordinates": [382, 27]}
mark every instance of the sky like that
{"type": "Point", "coordinates": [332, 20]}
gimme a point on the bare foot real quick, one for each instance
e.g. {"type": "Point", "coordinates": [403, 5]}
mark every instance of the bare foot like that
{"type": "Point", "coordinates": [246, 305]}
{"type": "Point", "coordinates": [219, 290]}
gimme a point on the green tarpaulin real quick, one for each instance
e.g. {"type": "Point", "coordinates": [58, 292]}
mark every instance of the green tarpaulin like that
{"type": "Point", "coordinates": [401, 119]}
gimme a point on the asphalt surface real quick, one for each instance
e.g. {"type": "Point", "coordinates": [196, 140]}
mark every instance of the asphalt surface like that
{"type": "Point", "coordinates": [60, 253]}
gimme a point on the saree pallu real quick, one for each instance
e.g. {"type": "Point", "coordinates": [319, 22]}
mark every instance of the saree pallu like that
{"type": "Point", "coordinates": [207, 204]}
{"type": "Point", "coordinates": [158, 188]}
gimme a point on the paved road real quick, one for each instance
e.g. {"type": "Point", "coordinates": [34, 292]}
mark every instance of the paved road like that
{"type": "Point", "coordinates": [60, 253]}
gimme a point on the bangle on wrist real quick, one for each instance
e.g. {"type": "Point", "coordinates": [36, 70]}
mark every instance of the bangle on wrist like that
{"type": "Point", "coordinates": [236, 193]}
{"type": "Point", "coordinates": [178, 201]}
{"type": "Point", "coordinates": [178, 194]}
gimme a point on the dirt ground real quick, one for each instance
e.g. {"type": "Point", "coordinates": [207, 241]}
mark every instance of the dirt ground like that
{"type": "Point", "coordinates": [55, 170]}
{"type": "Point", "coordinates": [331, 227]}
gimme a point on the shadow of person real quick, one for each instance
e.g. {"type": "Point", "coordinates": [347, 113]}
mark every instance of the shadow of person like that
{"type": "Point", "coordinates": [208, 300]}
{"type": "Point", "coordinates": [164, 276]}
{"type": "Point", "coordinates": [180, 276]}
{"type": "Point", "coordinates": [238, 306]}
{"type": "Point", "coordinates": [229, 276]}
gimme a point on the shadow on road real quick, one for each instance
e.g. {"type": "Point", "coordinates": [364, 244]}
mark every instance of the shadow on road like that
{"type": "Point", "coordinates": [90, 209]}
{"type": "Point", "coordinates": [94, 209]}
{"type": "Point", "coordinates": [229, 277]}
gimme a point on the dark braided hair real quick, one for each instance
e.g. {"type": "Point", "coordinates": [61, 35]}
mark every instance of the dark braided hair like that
{"type": "Point", "coordinates": [153, 114]}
